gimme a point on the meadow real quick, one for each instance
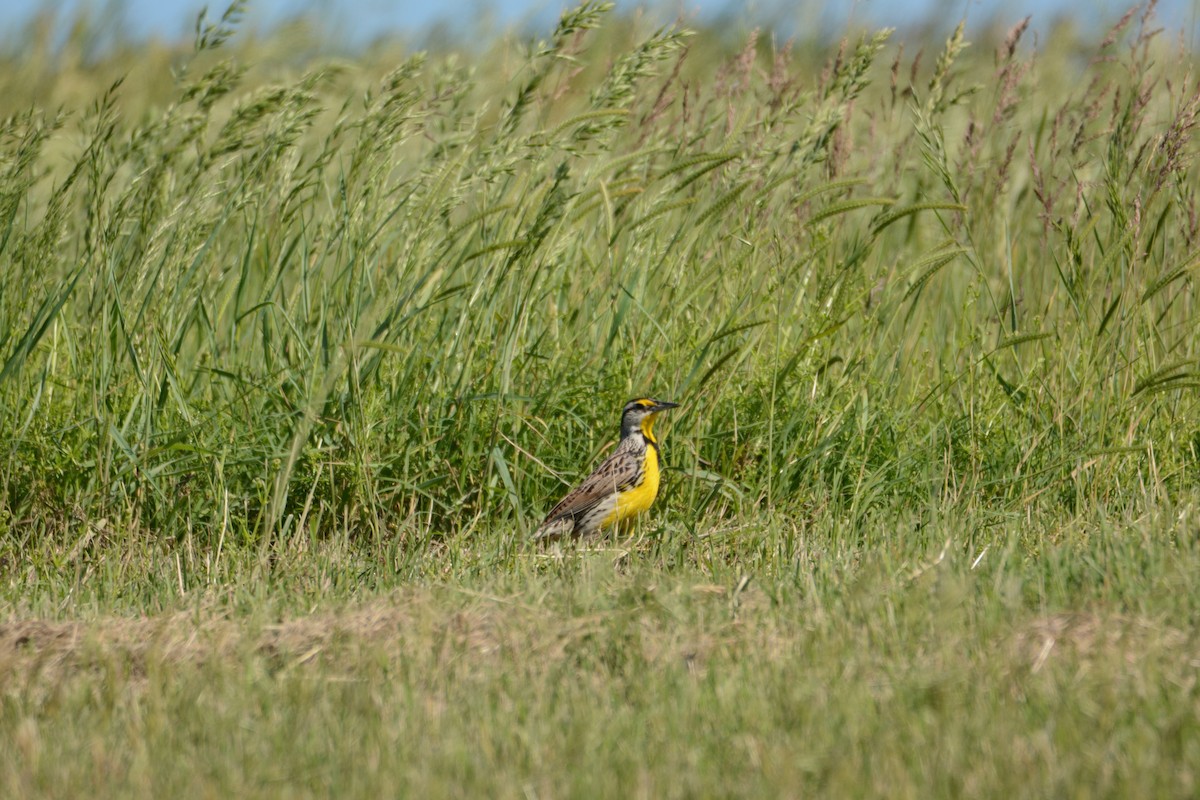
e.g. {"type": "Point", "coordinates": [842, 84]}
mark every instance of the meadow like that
{"type": "Point", "coordinates": [297, 347]}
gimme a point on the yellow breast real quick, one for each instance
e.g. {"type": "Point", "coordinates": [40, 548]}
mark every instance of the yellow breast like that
{"type": "Point", "coordinates": [636, 500]}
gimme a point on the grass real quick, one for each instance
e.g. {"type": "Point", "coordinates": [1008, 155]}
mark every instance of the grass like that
{"type": "Point", "coordinates": [295, 350]}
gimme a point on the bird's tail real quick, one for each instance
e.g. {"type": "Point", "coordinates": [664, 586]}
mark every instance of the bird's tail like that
{"type": "Point", "coordinates": [554, 529]}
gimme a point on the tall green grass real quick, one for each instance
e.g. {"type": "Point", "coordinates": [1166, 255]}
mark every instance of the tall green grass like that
{"type": "Point", "coordinates": [286, 302]}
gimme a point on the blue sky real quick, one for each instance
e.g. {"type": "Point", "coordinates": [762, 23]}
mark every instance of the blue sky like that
{"type": "Point", "coordinates": [359, 20]}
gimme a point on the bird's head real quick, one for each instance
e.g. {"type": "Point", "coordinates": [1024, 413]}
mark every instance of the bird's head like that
{"type": "Point", "coordinates": [640, 413]}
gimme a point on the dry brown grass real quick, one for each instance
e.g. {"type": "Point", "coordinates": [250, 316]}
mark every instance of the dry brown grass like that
{"type": "Point", "coordinates": [479, 629]}
{"type": "Point", "coordinates": [1084, 638]}
{"type": "Point", "coordinates": [485, 631]}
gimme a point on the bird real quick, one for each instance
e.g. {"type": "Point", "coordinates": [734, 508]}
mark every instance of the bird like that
{"type": "Point", "coordinates": [623, 486]}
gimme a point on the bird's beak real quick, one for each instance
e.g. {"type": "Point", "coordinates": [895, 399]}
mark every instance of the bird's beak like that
{"type": "Point", "coordinates": [663, 405]}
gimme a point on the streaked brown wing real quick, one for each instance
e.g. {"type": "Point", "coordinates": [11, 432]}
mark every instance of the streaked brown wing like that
{"type": "Point", "coordinates": [618, 472]}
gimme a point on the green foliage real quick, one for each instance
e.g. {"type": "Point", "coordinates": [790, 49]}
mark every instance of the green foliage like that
{"type": "Point", "coordinates": [422, 306]}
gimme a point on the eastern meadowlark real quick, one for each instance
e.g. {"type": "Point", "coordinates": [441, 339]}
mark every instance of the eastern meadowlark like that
{"type": "Point", "coordinates": [624, 485]}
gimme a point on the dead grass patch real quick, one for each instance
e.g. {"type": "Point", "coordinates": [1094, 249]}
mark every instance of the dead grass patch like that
{"type": "Point", "coordinates": [468, 630]}
{"type": "Point", "coordinates": [1088, 637]}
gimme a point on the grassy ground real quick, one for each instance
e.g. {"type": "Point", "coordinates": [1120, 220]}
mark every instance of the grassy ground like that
{"type": "Point", "coordinates": [295, 350]}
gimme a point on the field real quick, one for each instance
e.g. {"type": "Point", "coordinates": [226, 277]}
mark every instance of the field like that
{"type": "Point", "coordinates": [297, 347]}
